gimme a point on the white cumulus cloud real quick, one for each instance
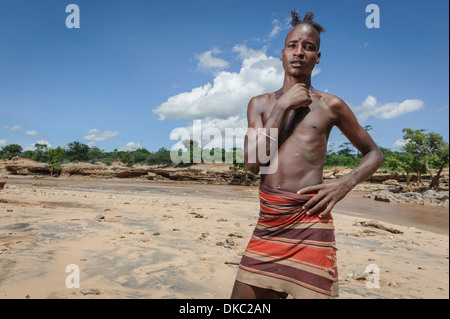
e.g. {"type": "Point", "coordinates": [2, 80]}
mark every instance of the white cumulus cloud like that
{"type": "Point", "coordinates": [277, 28]}
{"type": "Point", "coordinates": [3, 142]}
{"type": "Point", "coordinates": [229, 93]}
{"type": "Point", "coordinates": [208, 62]}
{"type": "Point", "coordinates": [130, 147]}
{"type": "Point", "coordinates": [31, 133]}
{"type": "Point", "coordinates": [32, 147]}
{"type": "Point", "coordinates": [398, 144]}
{"type": "Point", "coordinates": [95, 135]}
{"type": "Point", "coordinates": [13, 128]}
{"type": "Point", "coordinates": [223, 103]}
{"type": "Point", "coordinates": [371, 107]}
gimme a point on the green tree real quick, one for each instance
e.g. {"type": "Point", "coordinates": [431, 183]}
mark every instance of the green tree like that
{"type": "Point", "coordinates": [40, 153]}
{"type": "Point", "coordinates": [140, 155]}
{"type": "Point", "coordinates": [55, 158]}
{"type": "Point", "coordinates": [346, 149]}
{"type": "Point", "coordinates": [109, 157]}
{"type": "Point", "coordinates": [77, 151]}
{"type": "Point", "coordinates": [333, 160]}
{"type": "Point", "coordinates": [238, 157]}
{"type": "Point", "coordinates": [401, 162]}
{"type": "Point", "coordinates": [94, 154]}
{"type": "Point", "coordinates": [439, 159]}
{"type": "Point", "coordinates": [127, 158]}
{"type": "Point", "coordinates": [162, 156]}
{"type": "Point", "coordinates": [426, 148]}
{"type": "Point", "coordinates": [214, 155]}
{"type": "Point", "coordinates": [26, 154]}
{"type": "Point", "coordinates": [193, 150]}
{"type": "Point", "coordinates": [11, 150]}
{"type": "Point", "coordinates": [386, 152]}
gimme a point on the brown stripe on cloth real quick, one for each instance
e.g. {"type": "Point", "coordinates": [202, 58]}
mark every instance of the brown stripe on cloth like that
{"type": "Point", "coordinates": [289, 251]}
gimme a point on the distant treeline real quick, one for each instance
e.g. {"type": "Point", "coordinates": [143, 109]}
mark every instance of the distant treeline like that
{"type": "Point", "coordinates": [421, 153]}
{"type": "Point", "coordinates": [80, 152]}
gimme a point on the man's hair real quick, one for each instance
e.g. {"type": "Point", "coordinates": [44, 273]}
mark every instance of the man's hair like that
{"type": "Point", "coordinates": [308, 18]}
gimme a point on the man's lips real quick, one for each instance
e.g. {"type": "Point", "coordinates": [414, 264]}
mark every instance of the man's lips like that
{"type": "Point", "coordinates": [297, 63]}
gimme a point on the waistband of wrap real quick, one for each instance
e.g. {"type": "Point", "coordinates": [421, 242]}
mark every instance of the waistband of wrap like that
{"type": "Point", "coordinates": [284, 194]}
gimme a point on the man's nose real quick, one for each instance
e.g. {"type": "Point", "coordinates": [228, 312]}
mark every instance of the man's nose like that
{"type": "Point", "coordinates": [299, 52]}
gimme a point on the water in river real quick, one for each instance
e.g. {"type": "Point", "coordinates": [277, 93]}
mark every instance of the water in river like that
{"type": "Point", "coordinates": [430, 218]}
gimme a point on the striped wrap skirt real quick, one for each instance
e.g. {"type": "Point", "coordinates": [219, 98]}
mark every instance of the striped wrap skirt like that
{"type": "Point", "coordinates": [290, 251]}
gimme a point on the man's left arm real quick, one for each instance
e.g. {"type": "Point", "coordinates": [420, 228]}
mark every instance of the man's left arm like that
{"type": "Point", "coordinates": [330, 192]}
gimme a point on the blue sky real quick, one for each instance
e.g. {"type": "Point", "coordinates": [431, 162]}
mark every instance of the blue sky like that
{"type": "Point", "coordinates": [135, 71]}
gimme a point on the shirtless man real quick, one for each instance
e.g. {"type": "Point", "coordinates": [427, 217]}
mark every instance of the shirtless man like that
{"type": "Point", "coordinates": [303, 117]}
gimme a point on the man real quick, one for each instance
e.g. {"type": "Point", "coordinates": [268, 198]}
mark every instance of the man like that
{"type": "Point", "coordinates": [292, 250]}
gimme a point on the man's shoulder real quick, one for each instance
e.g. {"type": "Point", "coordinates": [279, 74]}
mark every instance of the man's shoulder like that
{"type": "Point", "coordinates": [262, 98]}
{"type": "Point", "coordinates": [261, 102]}
{"type": "Point", "coordinates": [331, 101]}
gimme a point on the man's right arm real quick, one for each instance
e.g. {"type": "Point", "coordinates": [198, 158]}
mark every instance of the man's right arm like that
{"type": "Point", "coordinates": [255, 142]}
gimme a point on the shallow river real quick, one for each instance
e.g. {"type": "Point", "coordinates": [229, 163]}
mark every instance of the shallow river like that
{"type": "Point", "coordinates": [430, 218]}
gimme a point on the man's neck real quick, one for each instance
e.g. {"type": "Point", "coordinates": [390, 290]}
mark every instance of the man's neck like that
{"type": "Point", "coordinates": [289, 81]}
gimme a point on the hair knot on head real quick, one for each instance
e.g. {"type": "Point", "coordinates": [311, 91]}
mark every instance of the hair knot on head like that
{"type": "Point", "coordinates": [308, 18]}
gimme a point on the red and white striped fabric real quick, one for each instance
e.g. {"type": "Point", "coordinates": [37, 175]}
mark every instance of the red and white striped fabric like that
{"type": "Point", "coordinates": [290, 251]}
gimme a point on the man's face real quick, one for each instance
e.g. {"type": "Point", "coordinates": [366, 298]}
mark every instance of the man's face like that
{"type": "Point", "coordinates": [301, 50]}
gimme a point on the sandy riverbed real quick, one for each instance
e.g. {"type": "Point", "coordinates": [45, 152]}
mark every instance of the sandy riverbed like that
{"type": "Point", "coordinates": [168, 242]}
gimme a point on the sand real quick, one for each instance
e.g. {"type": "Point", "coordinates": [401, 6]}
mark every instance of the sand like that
{"type": "Point", "coordinates": [179, 243]}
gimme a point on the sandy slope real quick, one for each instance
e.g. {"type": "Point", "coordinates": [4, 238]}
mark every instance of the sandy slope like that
{"type": "Point", "coordinates": [154, 245]}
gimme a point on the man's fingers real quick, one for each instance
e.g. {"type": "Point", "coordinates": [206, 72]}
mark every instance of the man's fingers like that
{"type": "Point", "coordinates": [322, 206]}
{"type": "Point", "coordinates": [327, 210]}
{"type": "Point", "coordinates": [310, 189]}
{"type": "Point", "coordinates": [317, 207]}
{"type": "Point", "coordinates": [312, 202]}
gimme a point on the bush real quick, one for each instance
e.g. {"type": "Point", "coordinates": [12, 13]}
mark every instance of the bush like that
{"type": "Point", "coordinates": [11, 150]}
{"type": "Point", "coordinates": [127, 158]}
{"type": "Point", "coordinates": [77, 151]}
{"type": "Point", "coordinates": [162, 156]}
{"type": "Point", "coordinates": [334, 160]}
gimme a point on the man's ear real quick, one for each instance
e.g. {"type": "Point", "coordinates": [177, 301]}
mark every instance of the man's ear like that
{"type": "Point", "coordinates": [281, 56]}
{"type": "Point", "coordinates": [318, 57]}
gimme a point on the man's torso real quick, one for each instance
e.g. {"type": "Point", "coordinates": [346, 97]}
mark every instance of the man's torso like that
{"type": "Point", "coordinates": [302, 141]}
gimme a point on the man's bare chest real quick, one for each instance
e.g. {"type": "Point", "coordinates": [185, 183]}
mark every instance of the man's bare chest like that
{"type": "Point", "coordinates": [306, 120]}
